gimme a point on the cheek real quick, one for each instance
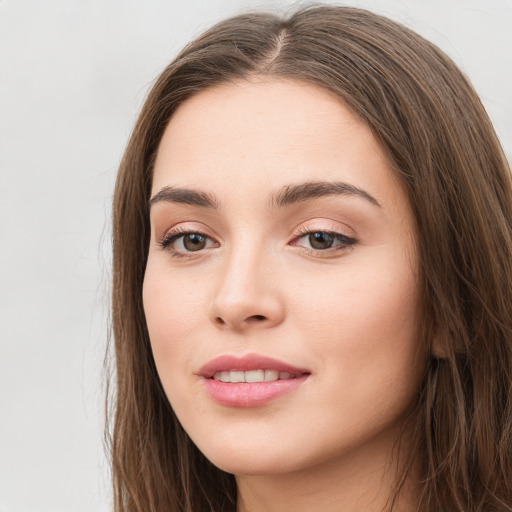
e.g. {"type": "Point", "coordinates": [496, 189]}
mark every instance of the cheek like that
{"type": "Point", "coordinates": [171, 315]}
{"type": "Point", "coordinates": [363, 302]}
{"type": "Point", "coordinates": [367, 324]}
{"type": "Point", "coordinates": [172, 321]}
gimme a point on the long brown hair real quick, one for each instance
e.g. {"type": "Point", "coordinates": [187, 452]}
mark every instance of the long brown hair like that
{"type": "Point", "coordinates": [439, 140]}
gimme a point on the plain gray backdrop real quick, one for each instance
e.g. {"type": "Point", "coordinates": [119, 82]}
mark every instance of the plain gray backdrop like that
{"type": "Point", "coordinates": [73, 76]}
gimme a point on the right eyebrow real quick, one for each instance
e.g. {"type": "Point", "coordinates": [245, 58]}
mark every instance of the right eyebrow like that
{"type": "Point", "coordinates": [184, 196]}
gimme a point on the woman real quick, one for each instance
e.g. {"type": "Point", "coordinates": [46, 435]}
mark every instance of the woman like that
{"type": "Point", "coordinates": [312, 277]}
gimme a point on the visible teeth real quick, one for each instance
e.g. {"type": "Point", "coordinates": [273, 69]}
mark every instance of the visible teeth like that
{"type": "Point", "coordinates": [271, 375]}
{"type": "Point", "coordinates": [255, 376]}
{"type": "Point", "coordinates": [237, 376]}
{"type": "Point", "coordinates": [252, 376]}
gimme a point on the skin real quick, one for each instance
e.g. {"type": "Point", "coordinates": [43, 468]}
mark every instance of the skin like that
{"type": "Point", "coordinates": [348, 314]}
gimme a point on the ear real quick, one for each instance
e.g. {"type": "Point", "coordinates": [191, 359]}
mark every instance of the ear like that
{"type": "Point", "coordinates": [438, 346]}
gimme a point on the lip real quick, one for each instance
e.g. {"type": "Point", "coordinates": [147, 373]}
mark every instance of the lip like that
{"type": "Point", "coordinates": [247, 363]}
{"type": "Point", "coordinates": [249, 394]}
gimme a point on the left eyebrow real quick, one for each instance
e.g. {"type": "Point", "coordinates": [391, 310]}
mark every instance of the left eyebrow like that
{"type": "Point", "coordinates": [292, 194]}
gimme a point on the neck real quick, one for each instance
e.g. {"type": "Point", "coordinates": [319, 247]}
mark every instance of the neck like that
{"type": "Point", "coordinates": [365, 480]}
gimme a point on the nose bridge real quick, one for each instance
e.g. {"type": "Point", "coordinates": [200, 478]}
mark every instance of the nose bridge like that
{"type": "Point", "coordinates": [247, 294]}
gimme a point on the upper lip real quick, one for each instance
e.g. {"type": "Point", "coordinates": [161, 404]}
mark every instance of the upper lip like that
{"type": "Point", "coordinates": [246, 363]}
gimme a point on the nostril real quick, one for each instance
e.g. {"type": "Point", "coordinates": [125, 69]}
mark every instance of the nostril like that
{"type": "Point", "coordinates": [241, 322]}
{"type": "Point", "coordinates": [257, 318]}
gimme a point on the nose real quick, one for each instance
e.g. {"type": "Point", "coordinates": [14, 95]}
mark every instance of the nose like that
{"type": "Point", "coordinates": [247, 295]}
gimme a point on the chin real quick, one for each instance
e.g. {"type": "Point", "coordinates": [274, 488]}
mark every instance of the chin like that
{"type": "Point", "coordinates": [258, 460]}
{"type": "Point", "coordinates": [255, 467]}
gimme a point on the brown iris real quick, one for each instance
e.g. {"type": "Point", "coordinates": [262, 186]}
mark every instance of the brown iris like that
{"type": "Point", "coordinates": [194, 242]}
{"type": "Point", "coordinates": [321, 240]}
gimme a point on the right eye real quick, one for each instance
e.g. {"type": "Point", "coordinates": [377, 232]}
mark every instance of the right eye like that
{"type": "Point", "coordinates": [181, 243]}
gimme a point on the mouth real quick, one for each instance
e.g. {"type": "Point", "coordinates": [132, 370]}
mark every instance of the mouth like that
{"type": "Point", "coordinates": [250, 366]}
{"type": "Point", "coordinates": [254, 376]}
{"type": "Point", "coordinates": [250, 381]}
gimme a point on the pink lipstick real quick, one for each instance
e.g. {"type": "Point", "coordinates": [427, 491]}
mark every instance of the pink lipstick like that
{"type": "Point", "coordinates": [250, 380]}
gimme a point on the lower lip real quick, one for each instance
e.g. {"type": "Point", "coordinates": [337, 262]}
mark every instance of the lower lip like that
{"type": "Point", "coordinates": [250, 394]}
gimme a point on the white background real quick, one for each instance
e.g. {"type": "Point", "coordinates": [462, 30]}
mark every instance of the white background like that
{"type": "Point", "coordinates": [73, 75]}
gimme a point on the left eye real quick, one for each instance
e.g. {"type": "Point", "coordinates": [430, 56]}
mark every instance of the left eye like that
{"type": "Point", "coordinates": [323, 240]}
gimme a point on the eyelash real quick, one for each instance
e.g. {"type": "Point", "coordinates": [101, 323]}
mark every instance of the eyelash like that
{"type": "Point", "coordinates": [346, 242]}
{"type": "Point", "coordinates": [173, 236]}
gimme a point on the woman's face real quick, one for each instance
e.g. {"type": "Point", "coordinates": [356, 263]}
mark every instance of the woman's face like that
{"type": "Point", "coordinates": [281, 243]}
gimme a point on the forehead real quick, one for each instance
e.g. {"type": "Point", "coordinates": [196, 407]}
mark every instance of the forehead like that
{"type": "Point", "coordinates": [246, 104]}
{"type": "Point", "coordinates": [257, 135]}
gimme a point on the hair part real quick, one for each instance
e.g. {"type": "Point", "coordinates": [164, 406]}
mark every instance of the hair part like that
{"type": "Point", "coordinates": [441, 143]}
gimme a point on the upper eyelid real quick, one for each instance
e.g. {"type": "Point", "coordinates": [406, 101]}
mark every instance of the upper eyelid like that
{"type": "Point", "coordinates": [326, 228]}
{"type": "Point", "coordinates": [349, 240]}
{"type": "Point", "coordinates": [184, 228]}
{"type": "Point", "coordinates": [301, 231]}
{"type": "Point", "coordinates": [329, 232]}
{"type": "Point", "coordinates": [314, 229]}
{"type": "Point", "coordinates": [299, 234]}
{"type": "Point", "coordinates": [304, 227]}
{"type": "Point", "coordinates": [174, 234]}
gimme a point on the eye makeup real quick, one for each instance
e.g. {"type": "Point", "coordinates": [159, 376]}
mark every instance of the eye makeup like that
{"type": "Point", "coordinates": [182, 242]}
{"type": "Point", "coordinates": [322, 242]}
